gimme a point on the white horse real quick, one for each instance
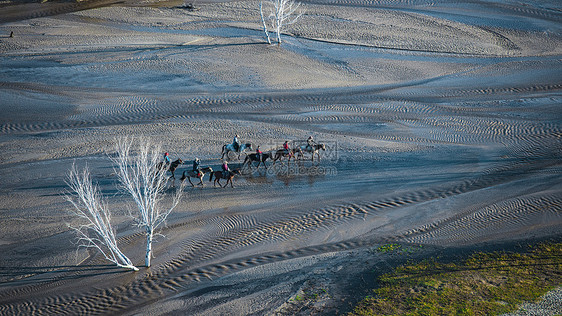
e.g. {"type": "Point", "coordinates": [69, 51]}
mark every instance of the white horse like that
{"type": "Point", "coordinates": [229, 148]}
{"type": "Point", "coordinates": [314, 150]}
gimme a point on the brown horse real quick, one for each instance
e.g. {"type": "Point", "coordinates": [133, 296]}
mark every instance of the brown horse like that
{"type": "Point", "coordinates": [283, 153]}
{"type": "Point", "coordinates": [187, 174]}
{"type": "Point", "coordinates": [314, 150]}
{"type": "Point", "coordinates": [221, 175]}
{"type": "Point", "coordinates": [171, 167]}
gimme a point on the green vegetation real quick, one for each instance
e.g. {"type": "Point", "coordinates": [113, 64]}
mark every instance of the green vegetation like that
{"type": "Point", "coordinates": [389, 248]}
{"type": "Point", "coordinates": [484, 284]}
{"type": "Point", "coordinates": [396, 248]}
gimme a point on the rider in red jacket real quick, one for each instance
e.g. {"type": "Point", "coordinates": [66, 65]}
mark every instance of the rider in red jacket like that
{"type": "Point", "coordinates": [286, 147]}
{"type": "Point", "coordinates": [259, 153]}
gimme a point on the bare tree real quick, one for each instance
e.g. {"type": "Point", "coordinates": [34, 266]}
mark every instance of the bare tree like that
{"type": "Point", "coordinates": [264, 24]}
{"type": "Point", "coordinates": [89, 205]}
{"type": "Point", "coordinates": [281, 14]}
{"type": "Point", "coordinates": [144, 179]}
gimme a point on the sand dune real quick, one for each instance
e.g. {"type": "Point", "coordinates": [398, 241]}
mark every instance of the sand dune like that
{"type": "Point", "coordinates": [442, 122]}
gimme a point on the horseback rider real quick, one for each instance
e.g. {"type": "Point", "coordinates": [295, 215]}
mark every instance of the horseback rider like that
{"type": "Point", "coordinates": [310, 143]}
{"type": "Point", "coordinates": [286, 147]}
{"type": "Point", "coordinates": [259, 153]}
{"type": "Point", "coordinates": [236, 143]}
{"type": "Point", "coordinates": [225, 168]}
{"type": "Point", "coordinates": [167, 158]}
{"type": "Point", "coordinates": [196, 163]}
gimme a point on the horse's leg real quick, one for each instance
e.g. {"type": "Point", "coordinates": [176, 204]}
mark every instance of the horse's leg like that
{"type": "Point", "coordinates": [201, 181]}
{"type": "Point", "coordinates": [172, 177]}
{"type": "Point", "coordinates": [188, 178]}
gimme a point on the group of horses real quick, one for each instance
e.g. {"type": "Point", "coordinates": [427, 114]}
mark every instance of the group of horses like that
{"type": "Point", "coordinates": [297, 153]}
{"type": "Point", "coordinates": [199, 174]}
{"type": "Point", "coordinates": [229, 151]}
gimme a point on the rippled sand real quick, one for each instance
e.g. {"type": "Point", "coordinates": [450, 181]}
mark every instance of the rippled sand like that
{"type": "Point", "coordinates": [442, 122]}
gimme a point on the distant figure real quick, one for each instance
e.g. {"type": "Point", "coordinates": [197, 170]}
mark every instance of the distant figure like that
{"type": "Point", "coordinates": [236, 143]}
{"type": "Point", "coordinates": [310, 143]}
{"type": "Point", "coordinates": [12, 34]}
{"type": "Point", "coordinates": [167, 158]}
{"type": "Point", "coordinates": [196, 163]}
{"type": "Point", "coordinates": [286, 147]}
{"type": "Point", "coordinates": [259, 153]}
{"type": "Point", "coordinates": [225, 169]}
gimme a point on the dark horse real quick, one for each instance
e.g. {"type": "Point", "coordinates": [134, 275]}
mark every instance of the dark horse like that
{"type": "Point", "coordinates": [221, 175]}
{"type": "Point", "coordinates": [171, 167]}
{"type": "Point", "coordinates": [254, 157]}
{"type": "Point", "coordinates": [315, 150]}
{"type": "Point", "coordinates": [282, 153]}
{"type": "Point", "coordinates": [187, 174]}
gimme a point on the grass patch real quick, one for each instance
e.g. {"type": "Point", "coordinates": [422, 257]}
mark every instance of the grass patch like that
{"type": "Point", "coordinates": [396, 249]}
{"type": "Point", "coordinates": [484, 284]}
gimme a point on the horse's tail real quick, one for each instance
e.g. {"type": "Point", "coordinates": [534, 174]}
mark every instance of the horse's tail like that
{"type": "Point", "coordinates": [183, 175]}
{"type": "Point", "coordinates": [211, 176]}
{"type": "Point", "coordinates": [245, 160]}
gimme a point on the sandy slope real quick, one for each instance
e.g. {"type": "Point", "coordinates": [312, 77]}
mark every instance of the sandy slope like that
{"type": "Point", "coordinates": [442, 122]}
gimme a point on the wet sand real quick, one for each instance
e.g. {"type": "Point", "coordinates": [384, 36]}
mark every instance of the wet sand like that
{"type": "Point", "coordinates": [442, 123]}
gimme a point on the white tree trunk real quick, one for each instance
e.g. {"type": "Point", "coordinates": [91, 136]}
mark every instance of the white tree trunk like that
{"type": "Point", "coordinates": [278, 32]}
{"type": "Point", "coordinates": [149, 235]}
{"type": "Point", "coordinates": [264, 24]}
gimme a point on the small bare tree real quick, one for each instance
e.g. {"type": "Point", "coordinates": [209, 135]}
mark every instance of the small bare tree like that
{"type": "Point", "coordinates": [145, 180]}
{"type": "Point", "coordinates": [89, 205]}
{"type": "Point", "coordinates": [281, 14]}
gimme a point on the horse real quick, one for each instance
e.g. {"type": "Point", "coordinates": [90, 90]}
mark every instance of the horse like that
{"type": "Point", "coordinates": [254, 157]}
{"type": "Point", "coordinates": [282, 153]}
{"type": "Point", "coordinates": [187, 174]}
{"type": "Point", "coordinates": [172, 166]}
{"type": "Point", "coordinates": [228, 148]}
{"type": "Point", "coordinates": [315, 150]}
{"type": "Point", "coordinates": [220, 175]}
